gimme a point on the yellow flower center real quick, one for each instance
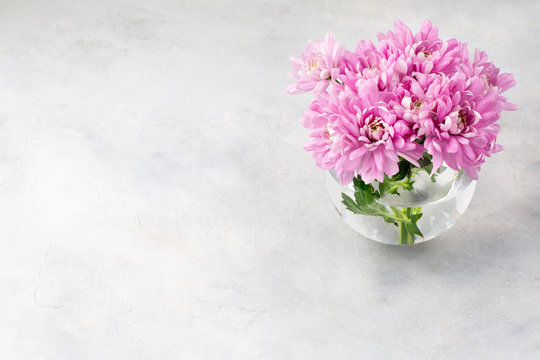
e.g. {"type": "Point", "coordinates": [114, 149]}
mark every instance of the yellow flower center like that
{"type": "Point", "coordinates": [314, 62]}
{"type": "Point", "coordinates": [328, 133]}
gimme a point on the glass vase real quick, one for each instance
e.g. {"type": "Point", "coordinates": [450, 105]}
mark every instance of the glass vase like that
{"type": "Point", "coordinates": [441, 200]}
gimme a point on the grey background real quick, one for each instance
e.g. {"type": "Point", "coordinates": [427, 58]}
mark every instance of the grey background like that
{"type": "Point", "coordinates": [156, 202]}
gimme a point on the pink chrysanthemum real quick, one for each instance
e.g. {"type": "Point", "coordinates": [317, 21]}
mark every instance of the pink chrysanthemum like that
{"type": "Point", "coordinates": [319, 118]}
{"type": "Point", "coordinates": [461, 130]}
{"type": "Point", "coordinates": [373, 141]}
{"type": "Point", "coordinates": [395, 101]}
{"type": "Point", "coordinates": [318, 65]}
{"type": "Point", "coordinates": [357, 134]}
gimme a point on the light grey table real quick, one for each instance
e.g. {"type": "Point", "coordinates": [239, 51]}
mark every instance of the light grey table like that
{"type": "Point", "coordinates": [156, 202]}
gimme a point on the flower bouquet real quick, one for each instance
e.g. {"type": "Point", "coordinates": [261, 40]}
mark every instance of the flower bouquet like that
{"type": "Point", "coordinates": [402, 126]}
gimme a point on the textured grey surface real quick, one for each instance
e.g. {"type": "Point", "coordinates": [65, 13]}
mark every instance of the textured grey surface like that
{"type": "Point", "coordinates": [156, 202]}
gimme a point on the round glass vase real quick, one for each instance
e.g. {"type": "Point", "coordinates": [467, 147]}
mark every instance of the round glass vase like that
{"type": "Point", "coordinates": [442, 198]}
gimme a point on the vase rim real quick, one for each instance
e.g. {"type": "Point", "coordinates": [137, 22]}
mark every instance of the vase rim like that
{"type": "Point", "coordinates": [459, 183]}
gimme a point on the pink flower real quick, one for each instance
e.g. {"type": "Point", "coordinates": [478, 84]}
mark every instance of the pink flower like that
{"type": "Point", "coordinates": [319, 65]}
{"type": "Point", "coordinates": [320, 119]}
{"type": "Point", "coordinates": [400, 40]}
{"type": "Point", "coordinates": [426, 50]}
{"type": "Point", "coordinates": [461, 131]}
{"type": "Point", "coordinates": [361, 136]}
{"type": "Point", "coordinates": [433, 55]}
{"type": "Point", "coordinates": [373, 144]}
{"type": "Point", "coordinates": [417, 94]}
{"type": "Point", "coordinates": [369, 63]}
{"type": "Point", "coordinates": [365, 57]}
{"type": "Point", "coordinates": [489, 74]}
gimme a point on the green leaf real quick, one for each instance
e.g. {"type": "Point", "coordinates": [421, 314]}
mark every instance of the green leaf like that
{"type": "Point", "coordinates": [390, 186]}
{"type": "Point", "coordinates": [365, 203]}
{"type": "Point", "coordinates": [413, 229]}
{"type": "Point", "coordinates": [350, 204]}
{"type": "Point", "coordinates": [428, 168]}
{"type": "Point", "coordinates": [404, 170]}
{"type": "Point", "coordinates": [360, 185]}
{"type": "Point", "coordinates": [425, 160]}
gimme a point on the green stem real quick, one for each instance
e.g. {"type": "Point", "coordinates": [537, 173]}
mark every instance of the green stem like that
{"type": "Point", "coordinates": [397, 212]}
{"type": "Point", "coordinates": [404, 237]}
{"type": "Point", "coordinates": [404, 217]}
